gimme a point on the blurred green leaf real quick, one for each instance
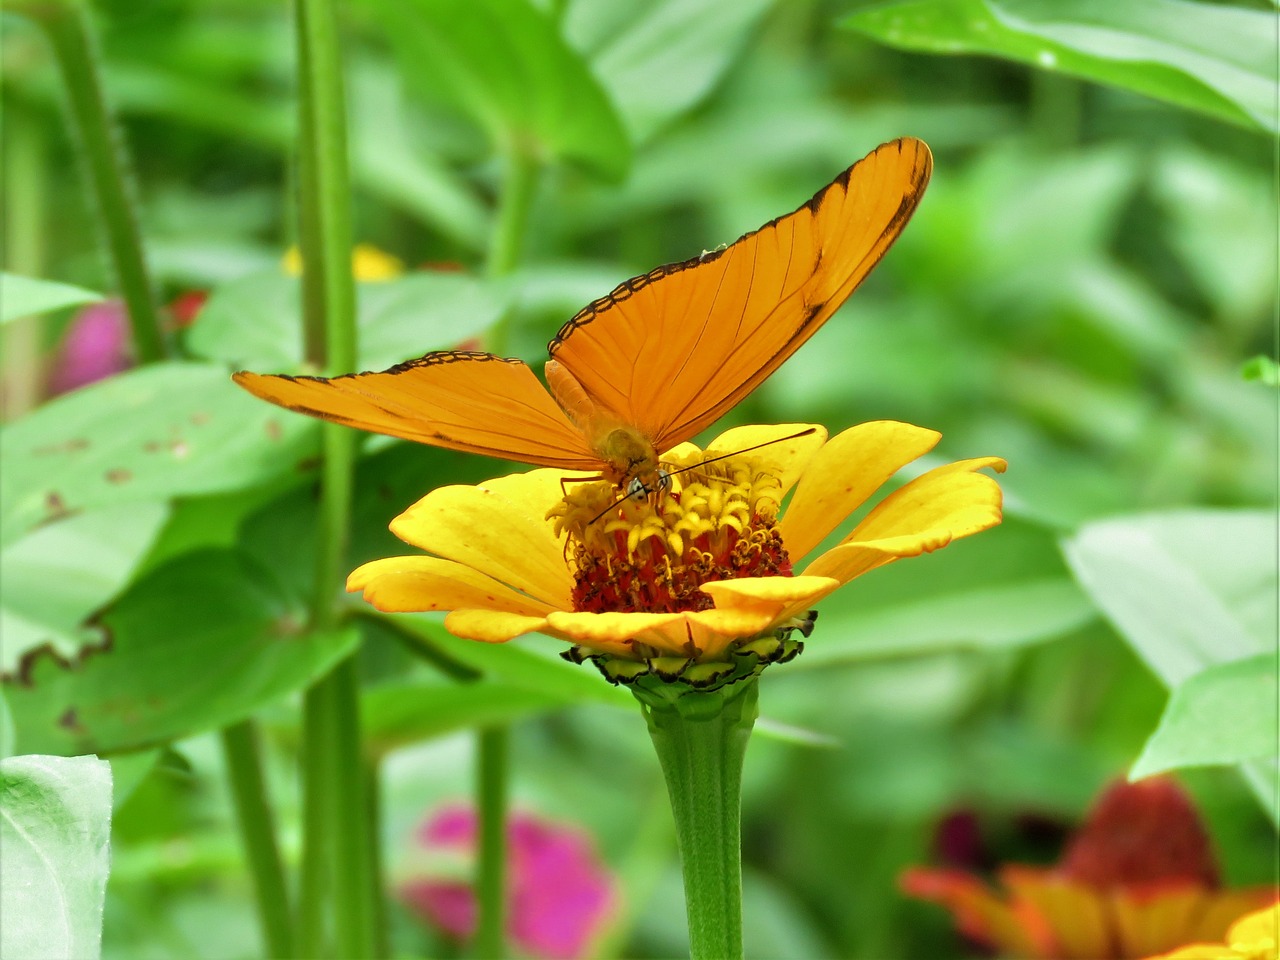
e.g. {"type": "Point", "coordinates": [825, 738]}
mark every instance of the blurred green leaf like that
{"type": "Point", "coordinates": [26, 296]}
{"type": "Point", "coordinates": [1262, 369]}
{"type": "Point", "coordinates": [1004, 588]}
{"type": "Point", "coordinates": [252, 322]}
{"type": "Point", "coordinates": [1220, 211]}
{"type": "Point", "coordinates": [196, 644]}
{"type": "Point", "coordinates": [128, 770]}
{"type": "Point", "coordinates": [395, 714]}
{"type": "Point", "coordinates": [55, 828]}
{"type": "Point", "coordinates": [7, 733]}
{"type": "Point", "coordinates": [1213, 58]}
{"type": "Point", "coordinates": [55, 577]}
{"type": "Point", "coordinates": [160, 431]}
{"type": "Point", "coordinates": [1223, 714]}
{"type": "Point", "coordinates": [660, 58]}
{"type": "Point", "coordinates": [506, 66]}
{"type": "Point", "coordinates": [1188, 589]}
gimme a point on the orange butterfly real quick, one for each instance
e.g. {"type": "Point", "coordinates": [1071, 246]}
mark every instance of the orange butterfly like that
{"type": "Point", "coordinates": [654, 362]}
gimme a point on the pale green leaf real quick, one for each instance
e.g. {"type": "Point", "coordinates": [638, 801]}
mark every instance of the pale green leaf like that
{"type": "Point", "coordinates": [27, 297]}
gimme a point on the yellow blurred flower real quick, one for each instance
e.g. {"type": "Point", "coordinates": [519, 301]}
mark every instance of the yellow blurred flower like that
{"type": "Point", "coordinates": [1138, 878]}
{"type": "Point", "coordinates": [368, 264]}
{"type": "Point", "coordinates": [682, 578]}
{"type": "Point", "coordinates": [1255, 936]}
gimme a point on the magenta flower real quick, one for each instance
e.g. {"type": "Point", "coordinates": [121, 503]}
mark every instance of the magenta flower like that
{"type": "Point", "coordinates": [560, 895]}
{"type": "Point", "coordinates": [95, 346]}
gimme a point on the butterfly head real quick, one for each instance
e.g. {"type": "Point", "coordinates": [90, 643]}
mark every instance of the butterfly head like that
{"type": "Point", "coordinates": [630, 462]}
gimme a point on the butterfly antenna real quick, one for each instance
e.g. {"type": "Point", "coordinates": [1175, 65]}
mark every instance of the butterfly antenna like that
{"type": "Point", "coordinates": [667, 475]}
{"type": "Point", "coordinates": [725, 456]}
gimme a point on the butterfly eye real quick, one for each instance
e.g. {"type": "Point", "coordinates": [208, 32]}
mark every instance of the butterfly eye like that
{"type": "Point", "coordinates": [637, 489]}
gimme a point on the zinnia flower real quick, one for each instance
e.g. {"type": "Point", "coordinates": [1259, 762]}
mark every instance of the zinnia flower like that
{"type": "Point", "coordinates": [678, 581]}
{"type": "Point", "coordinates": [1139, 878]}
{"type": "Point", "coordinates": [561, 895]}
{"type": "Point", "coordinates": [1252, 937]}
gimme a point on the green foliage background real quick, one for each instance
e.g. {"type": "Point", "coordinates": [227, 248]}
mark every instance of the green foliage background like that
{"type": "Point", "coordinates": [1092, 267]}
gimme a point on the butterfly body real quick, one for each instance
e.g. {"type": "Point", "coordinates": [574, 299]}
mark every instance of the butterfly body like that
{"type": "Point", "coordinates": [655, 361]}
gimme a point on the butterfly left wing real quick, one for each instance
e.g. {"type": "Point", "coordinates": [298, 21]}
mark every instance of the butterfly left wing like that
{"type": "Point", "coordinates": [475, 402]}
{"type": "Point", "coordinates": [670, 351]}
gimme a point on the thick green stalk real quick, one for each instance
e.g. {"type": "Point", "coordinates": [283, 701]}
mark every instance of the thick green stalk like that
{"type": "Point", "coordinates": [491, 873]}
{"type": "Point", "coordinates": [338, 861]}
{"type": "Point", "coordinates": [519, 184]}
{"type": "Point", "coordinates": [25, 160]}
{"type": "Point", "coordinates": [701, 740]}
{"type": "Point", "coordinates": [67, 26]}
{"type": "Point", "coordinates": [241, 748]}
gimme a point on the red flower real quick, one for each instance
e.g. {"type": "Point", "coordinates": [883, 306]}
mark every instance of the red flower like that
{"type": "Point", "coordinates": [1139, 878]}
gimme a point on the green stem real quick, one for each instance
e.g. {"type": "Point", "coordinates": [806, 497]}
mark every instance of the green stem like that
{"type": "Point", "coordinates": [241, 748]}
{"type": "Point", "coordinates": [338, 861]}
{"type": "Point", "coordinates": [701, 740]}
{"type": "Point", "coordinates": [69, 32]}
{"type": "Point", "coordinates": [491, 791]}
{"type": "Point", "coordinates": [25, 199]}
{"type": "Point", "coordinates": [519, 184]}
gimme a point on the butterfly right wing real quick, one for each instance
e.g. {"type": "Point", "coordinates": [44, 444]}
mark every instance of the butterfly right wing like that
{"type": "Point", "coordinates": [460, 400]}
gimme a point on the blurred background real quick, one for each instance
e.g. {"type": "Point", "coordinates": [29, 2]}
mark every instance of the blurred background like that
{"type": "Point", "coordinates": [1082, 291]}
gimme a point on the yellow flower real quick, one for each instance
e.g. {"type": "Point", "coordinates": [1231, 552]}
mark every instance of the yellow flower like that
{"type": "Point", "coordinates": [689, 574]}
{"type": "Point", "coordinates": [368, 264]}
{"type": "Point", "coordinates": [1255, 936]}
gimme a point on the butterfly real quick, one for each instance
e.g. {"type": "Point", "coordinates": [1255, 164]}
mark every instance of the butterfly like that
{"type": "Point", "coordinates": [651, 364]}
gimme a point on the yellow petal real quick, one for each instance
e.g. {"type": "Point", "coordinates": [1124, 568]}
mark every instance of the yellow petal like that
{"type": "Point", "coordinates": [411, 584]}
{"type": "Point", "coordinates": [1256, 928]}
{"type": "Point", "coordinates": [928, 513]}
{"type": "Point", "coordinates": [780, 597]}
{"type": "Point", "coordinates": [844, 473]}
{"type": "Point", "coordinates": [1075, 912]}
{"type": "Point", "coordinates": [492, 626]}
{"type": "Point", "coordinates": [1147, 921]}
{"type": "Point", "coordinates": [492, 534]}
{"type": "Point", "coordinates": [784, 460]}
{"type": "Point", "coordinates": [614, 631]}
{"type": "Point", "coordinates": [1201, 951]}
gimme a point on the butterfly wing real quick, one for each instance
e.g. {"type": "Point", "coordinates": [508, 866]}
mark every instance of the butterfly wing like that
{"type": "Point", "coordinates": [670, 351]}
{"type": "Point", "coordinates": [475, 402]}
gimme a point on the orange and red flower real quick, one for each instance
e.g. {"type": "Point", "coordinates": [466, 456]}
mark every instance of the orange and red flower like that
{"type": "Point", "coordinates": [1139, 878]}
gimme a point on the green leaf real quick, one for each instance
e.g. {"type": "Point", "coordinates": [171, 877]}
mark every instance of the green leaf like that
{"type": "Point", "coordinates": [251, 323]}
{"type": "Point", "coordinates": [55, 829]}
{"type": "Point", "coordinates": [395, 714]}
{"type": "Point", "coordinates": [55, 577]}
{"type": "Point", "coordinates": [1213, 58]}
{"type": "Point", "coordinates": [660, 58]}
{"type": "Point", "coordinates": [26, 296]}
{"type": "Point", "coordinates": [198, 643]}
{"type": "Point", "coordinates": [1003, 588]}
{"type": "Point", "coordinates": [164, 430]}
{"type": "Point", "coordinates": [504, 64]}
{"type": "Point", "coordinates": [1262, 369]}
{"type": "Point", "coordinates": [1187, 589]}
{"type": "Point", "coordinates": [1224, 714]}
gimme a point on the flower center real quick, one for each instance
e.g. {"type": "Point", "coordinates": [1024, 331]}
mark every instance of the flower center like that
{"type": "Point", "coordinates": [716, 521]}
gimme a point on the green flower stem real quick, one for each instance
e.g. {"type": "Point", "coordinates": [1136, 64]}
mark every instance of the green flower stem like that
{"type": "Point", "coordinates": [491, 873]}
{"type": "Point", "coordinates": [240, 746]}
{"type": "Point", "coordinates": [66, 24]}
{"type": "Point", "coordinates": [25, 199]}
{"type": "Point", "coordinates": [701, 739]}
{"type": "Point", "coordinates": [339, 864]}
{"type": "Point", "coordinates": [519, 184]}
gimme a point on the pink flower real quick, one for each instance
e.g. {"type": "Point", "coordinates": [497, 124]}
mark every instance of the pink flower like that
{"type": "Point", "coordinates": [559, 894]}
{"type": "Point", "coordinates": [95, 346]}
